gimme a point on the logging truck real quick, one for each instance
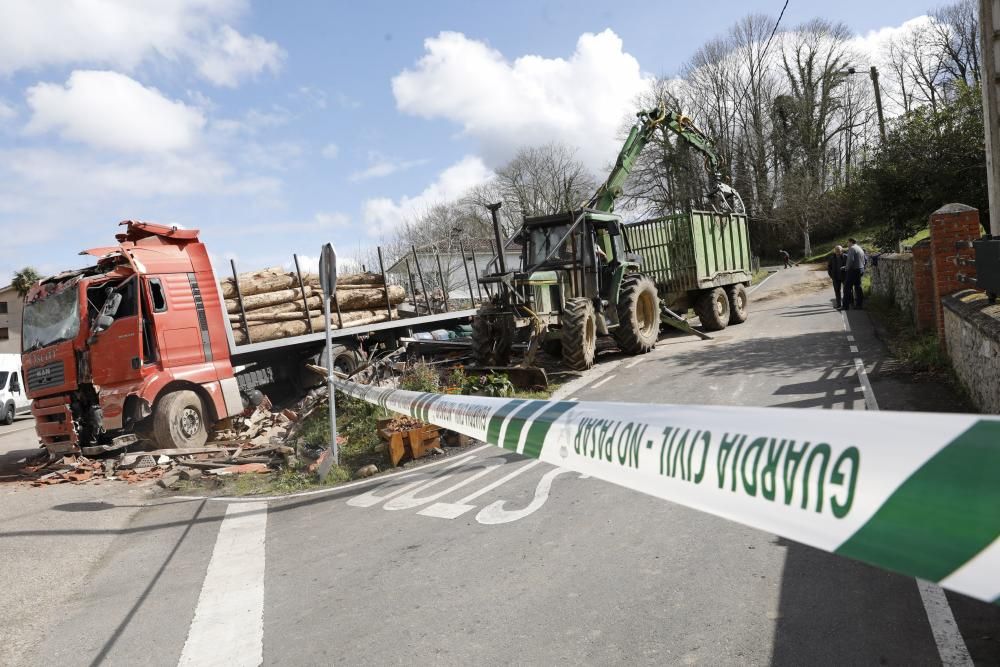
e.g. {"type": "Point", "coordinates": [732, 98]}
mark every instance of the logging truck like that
{"type": "Point", "coordinates": [148, 344]}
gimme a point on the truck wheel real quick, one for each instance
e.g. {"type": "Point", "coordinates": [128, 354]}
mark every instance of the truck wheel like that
{"type": "Point", "coordinates": [179, 421]}
{"type": "Point", "coordinates": [739, 303]}
{"type": "Point", "coordinates": [579, 334]}
{"type": "Point", "coordinates": [713, 309]}
{"type": "Point", "coordinates": [638, 315]}
{"type": "Point", "coordinates": [492, 336]}
{"type": "Point", "coordinates": [8, 414]}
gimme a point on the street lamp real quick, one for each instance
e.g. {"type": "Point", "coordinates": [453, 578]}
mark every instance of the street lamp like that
{"type": "Point", "coordinates": [873, 73]}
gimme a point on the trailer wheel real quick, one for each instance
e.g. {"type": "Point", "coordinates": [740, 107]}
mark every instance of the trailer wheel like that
{"type": "Point", "coordinates": [713, 309]}
{"type": "Point", "coordinates": [739, 303]}
{"type": "Point", "coordinates": [638, 315]}
{"type": "Point", "coordinates": [579, 334]}
{"type": "Point", "coordinates": [492, 336]}
{"type": "Point", "coordinates": [8, 414]}
{"type": "Point", "coordinates": [179, 421]}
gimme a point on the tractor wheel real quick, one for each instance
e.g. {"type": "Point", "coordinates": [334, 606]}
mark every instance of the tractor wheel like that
{"type": "Point", "coordinates": [492, 336]}
{"type": "Point", "coordinates": [739, 303]}
{"type": "Point", "coordinates": [713, 309]}
{"type": "Point", "coordinates": [579, 334]}
{"type": "Point", "coordinates": [638, 315]}
{"type": "Point", "coordinates": [180, 421]}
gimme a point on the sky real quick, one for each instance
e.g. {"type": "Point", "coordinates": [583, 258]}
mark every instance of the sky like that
{"type": "Point", "coordinates": [276, 127]}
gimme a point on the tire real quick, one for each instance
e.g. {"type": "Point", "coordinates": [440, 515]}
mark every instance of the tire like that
{"type": "Point", "coordinates": [579, 334]}
{"type": "Point", "coordinates": [638, 315]}
{"type": "Point", "coordinates": [739, 303]}
{"type": "Point", "coordinates": [713, 309]}
{"type": "Point", "coordinates": [8, 414]}
{"type": "Point", "coordinates": [492, 336]}
{"type": "Point", "coordinates": [179, 421]}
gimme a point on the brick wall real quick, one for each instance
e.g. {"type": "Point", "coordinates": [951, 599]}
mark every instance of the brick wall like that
{"type": "Point", "coordinates": [952, 227]}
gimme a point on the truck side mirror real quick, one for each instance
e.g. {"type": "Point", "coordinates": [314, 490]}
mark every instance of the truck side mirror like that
{"type": "Point", "coordinates": [103, 322]}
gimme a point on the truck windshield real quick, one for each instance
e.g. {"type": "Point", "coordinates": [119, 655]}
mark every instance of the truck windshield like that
{"type": "Point", "coordinates": [541, 241]}
{"type": "Point", "coordinates": [51, 319]}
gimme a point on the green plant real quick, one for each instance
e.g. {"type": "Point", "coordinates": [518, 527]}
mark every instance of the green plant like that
{"type": "Point", "coordinates": [491, 384]}
{"type": "Point", "coordinates": [24, 279]}
{"type": "Point", "coordinates": [420, 377]}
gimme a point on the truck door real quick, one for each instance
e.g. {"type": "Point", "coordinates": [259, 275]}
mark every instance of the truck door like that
{"type": "Point", "coordinates": [116, 352]}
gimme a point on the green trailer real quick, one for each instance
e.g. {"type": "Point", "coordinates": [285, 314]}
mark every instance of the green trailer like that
{"type": "Point", "coordinates": [698, 260]}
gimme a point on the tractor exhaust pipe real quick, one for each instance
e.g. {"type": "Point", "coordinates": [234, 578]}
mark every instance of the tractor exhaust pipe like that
{"type": "Point", "coordinates": [496, 233]}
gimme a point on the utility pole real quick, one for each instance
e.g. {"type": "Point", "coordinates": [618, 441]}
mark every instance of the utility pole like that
{"type": "Point", "coordinates": [873, 72]}
{"type": "Point", "coordinates": [989, 32]}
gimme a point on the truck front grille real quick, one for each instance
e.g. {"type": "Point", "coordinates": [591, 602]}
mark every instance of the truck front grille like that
{"type": "Point", "coordinates": [50, 375]}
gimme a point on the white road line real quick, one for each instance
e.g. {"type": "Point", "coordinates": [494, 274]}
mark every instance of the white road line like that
{"type": "Point", "coordinates": [850, 338]}
{"type": "Point", "coordinates": [854, 349]}
{"type": "Point", "coordinates": [761, 283]}
{"type": "Point", "coordinates": [635, 362]}
{"type": "Point", "coordinates": [228, 624]}
{"type": "Point", "coordinates": [606, 379]}
{"type": "Point", "coordinates": [951, 647]}
{"type": "Point", "coordinates": [461, 506]}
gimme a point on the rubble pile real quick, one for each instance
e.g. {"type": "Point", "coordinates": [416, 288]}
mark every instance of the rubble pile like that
{"type": "Point", "coordinates": [255, 443]}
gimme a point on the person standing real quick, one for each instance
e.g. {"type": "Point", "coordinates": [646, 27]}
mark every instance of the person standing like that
{"type": "Point", "coordinates": [836, 268]}
{"type": "Point", "coordinates": [785, 257]}
{"type": "Point", "coordinates": [856, 261]}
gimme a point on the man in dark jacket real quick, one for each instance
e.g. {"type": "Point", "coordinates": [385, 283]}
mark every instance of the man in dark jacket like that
{"type": "Point", "coordinates": [836, 268]}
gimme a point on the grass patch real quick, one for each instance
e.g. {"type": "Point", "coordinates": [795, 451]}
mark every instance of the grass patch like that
{"type": "Point", "coordinates": [758, 276]}
{"type": "Point", "coordinates": [823, 247]}
{"type": "Point", "coordinates": [920, 350]}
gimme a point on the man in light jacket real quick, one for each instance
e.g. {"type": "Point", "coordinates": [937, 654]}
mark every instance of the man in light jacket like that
{"type": "Point", "coordinates": [856, 262]}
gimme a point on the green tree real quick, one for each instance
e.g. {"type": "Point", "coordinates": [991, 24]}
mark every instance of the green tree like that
{"type": "Point", "coordinates": [930, 158]}
{"type": "Point", "coordinates": [24, 279]}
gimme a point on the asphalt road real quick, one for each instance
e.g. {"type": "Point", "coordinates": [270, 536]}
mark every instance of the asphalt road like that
{"type": "Point", "coordinates": [492, 559]}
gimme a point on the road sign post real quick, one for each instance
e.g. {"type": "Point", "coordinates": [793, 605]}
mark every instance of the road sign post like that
{"type": "Point", "coordinates": [328, 281]}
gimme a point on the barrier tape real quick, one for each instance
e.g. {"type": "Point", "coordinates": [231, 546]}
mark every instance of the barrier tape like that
{"type": "Point", "coordinates": [915, 493]}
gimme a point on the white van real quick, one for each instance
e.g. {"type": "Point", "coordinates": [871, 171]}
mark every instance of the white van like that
{"type": "Point", "coordinates": [13, 399]}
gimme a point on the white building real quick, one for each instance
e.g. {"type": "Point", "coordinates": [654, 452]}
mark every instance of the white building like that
{"type": "Point", "coordinates": [11, 307]}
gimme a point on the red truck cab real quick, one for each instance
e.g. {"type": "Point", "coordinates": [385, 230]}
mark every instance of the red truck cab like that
{"type": "Point", "coordinates": [135, 345]}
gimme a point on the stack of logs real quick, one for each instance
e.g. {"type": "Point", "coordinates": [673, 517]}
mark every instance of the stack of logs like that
{"type": "Point", "coordinates": [276, 306]}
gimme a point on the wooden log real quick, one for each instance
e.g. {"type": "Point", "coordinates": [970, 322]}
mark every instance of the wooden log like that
{"type": "Point", "coordinates": [374, 279]}
{"type": "Point", "coordinates": [258, 282]}
{"type": "Point", "coordinates": [268, 299]}
{"type": "Point", "coordinates": [275, 330]}
{"type": "Point", "coordinates": [355, 299]}
{"type": "Point", "coordinates": [293, 308]}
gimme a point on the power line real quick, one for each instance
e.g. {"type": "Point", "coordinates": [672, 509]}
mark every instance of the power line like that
{"type": "Point", "coordinates": [763, 53]}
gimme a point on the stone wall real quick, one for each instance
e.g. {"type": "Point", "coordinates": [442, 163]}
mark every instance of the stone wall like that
{"type": "Point", "coordinates": [972, 337]}
{"type": "Point", "coordinates": [892, 278]}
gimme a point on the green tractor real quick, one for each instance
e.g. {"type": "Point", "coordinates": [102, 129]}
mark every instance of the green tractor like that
{"type": "Point", "coordinates": [581, 276]}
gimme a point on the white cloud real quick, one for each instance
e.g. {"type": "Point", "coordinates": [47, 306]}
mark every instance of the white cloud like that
{"type": "Point", "coordinates": [580, 101]}
{"type": "Point", "coordinates": [382, 167]}
{"type": "Point", "coordinates": [53, 176]}
{"type": "Point", "coordinates": [874, 44]}
{"type": "Point", "coordinates": [331, 151]}
{"type": "Point", "coordinates": [320, 222]}
{"type": "Point", "coordinates": [118, 33]}
{"type": "Point", "coordinates": [232, 57]}
{"type": "Point", "coordinates": [279, 156]}
{"type": "Point", "coordinates": [381, 215]}
{"type": "Point", "coordinates": [7, 112]}
{"type": "Point", "coordinates": [310, 264]}
{"type": "Point", "coordinates": [253, 121]}
{"type": "Point", "coordinates": [110, 110]}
